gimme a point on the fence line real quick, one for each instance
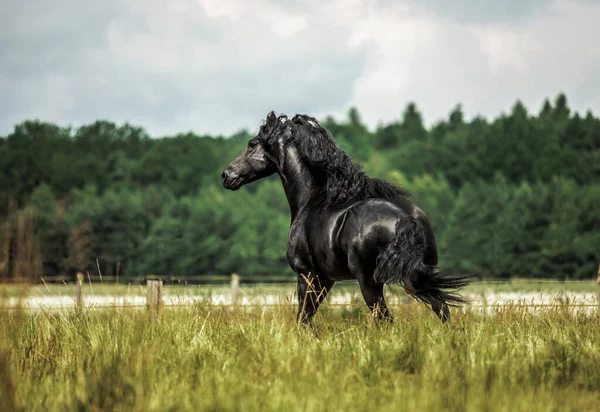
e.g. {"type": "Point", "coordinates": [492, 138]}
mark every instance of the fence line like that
{"type": "Point", "coordinates": [248, 279]}
{"type": "Point", "coordinates": [239, 305]}
{"type": "Point", "coordinates": [207, 279]}
{"type": "Point", "coordinates": [154, 294]}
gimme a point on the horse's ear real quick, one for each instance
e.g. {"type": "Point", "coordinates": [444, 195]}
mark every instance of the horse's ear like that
{"type": "Point", "coordinates": [271, 117]}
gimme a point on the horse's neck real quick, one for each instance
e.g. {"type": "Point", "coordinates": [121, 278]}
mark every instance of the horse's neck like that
{"type": "Point", "coordinates": [298, 183]}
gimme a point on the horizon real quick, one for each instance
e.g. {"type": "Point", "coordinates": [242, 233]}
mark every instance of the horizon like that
{"type": "Point", "coordinates": [534, 112]}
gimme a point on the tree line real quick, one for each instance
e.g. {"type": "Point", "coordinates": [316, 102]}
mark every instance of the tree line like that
{"type": "Point", "coordinates": [518, 195]}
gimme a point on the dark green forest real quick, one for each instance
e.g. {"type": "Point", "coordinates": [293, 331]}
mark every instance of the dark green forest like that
{"type": "Point", "coordinates": [517, 195]}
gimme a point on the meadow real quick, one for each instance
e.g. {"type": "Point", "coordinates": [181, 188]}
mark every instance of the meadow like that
{"type": "Point", "coordinates": [206, 357]}
{"type": "Point", "coordinates": [514, 196]}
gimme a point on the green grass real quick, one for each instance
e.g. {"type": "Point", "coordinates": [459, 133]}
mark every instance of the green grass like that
{"type": "Point", "coordinates": [220, 359]}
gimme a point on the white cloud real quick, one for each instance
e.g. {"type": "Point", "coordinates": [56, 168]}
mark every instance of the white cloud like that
{"type": "Point", "coordinates": [506, 50]}
{"type": "Point", "coordinates": [436, 61]}
{"type": "Point", "coordinates": [217, 66]}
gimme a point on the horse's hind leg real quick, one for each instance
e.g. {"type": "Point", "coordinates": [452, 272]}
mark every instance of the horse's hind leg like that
{"type": "Point", "coordinates": [311, 292]}
{"type": "Point", "coordinates": [442, 311]}
{"type": "Point", "coordinates": [374, 298]}
{"type": "Point", "coordinates": [371, 290]}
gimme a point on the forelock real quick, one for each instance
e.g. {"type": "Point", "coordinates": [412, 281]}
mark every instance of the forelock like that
{"type": "Point", "coordinates": [272, 125]}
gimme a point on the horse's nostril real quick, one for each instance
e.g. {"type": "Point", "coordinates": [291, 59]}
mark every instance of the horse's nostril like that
{"type": "Point", "coordinates": [224, 174]}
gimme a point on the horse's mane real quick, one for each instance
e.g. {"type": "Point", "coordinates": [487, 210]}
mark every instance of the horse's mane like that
{"type": "Point", "coordinates": [273, 124]}
{"type": "Point", "coordinates": [344, 180]}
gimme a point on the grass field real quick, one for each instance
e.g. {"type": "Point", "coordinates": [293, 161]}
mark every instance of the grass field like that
{"type": "Point", "coordinates": [199, 357]}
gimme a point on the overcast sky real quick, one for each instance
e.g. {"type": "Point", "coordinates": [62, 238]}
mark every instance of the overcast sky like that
{"type": "Point", "coordinates": [216, 66]}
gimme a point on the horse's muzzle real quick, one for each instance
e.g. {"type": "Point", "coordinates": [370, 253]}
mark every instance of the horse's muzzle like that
{"type": "Point", "coordinates": [230, 181]}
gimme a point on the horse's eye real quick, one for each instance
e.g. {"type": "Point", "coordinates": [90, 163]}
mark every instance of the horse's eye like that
{"type": "Point", "coordinates": [252, 143]}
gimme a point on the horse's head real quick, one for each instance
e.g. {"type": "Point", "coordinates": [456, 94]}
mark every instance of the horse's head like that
{"type": "Point", "coordinates": [261, 158]}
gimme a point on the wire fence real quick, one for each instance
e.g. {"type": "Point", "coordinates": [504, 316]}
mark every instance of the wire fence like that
{"type": "Point", "coordinates": [209, 279]}
{"type": "Point", "coordinates": [155, 297]}
{"type": "Point", "coordinates": [325, 304]}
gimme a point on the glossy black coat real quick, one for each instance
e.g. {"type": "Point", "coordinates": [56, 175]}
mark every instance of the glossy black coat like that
{"type": "Point", "coordinates": [344, 225]}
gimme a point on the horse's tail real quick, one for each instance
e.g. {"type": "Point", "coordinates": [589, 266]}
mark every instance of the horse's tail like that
{"type": "Point", "coordinates": [403, 262]}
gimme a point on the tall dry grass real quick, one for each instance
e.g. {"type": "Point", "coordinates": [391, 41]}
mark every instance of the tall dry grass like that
{"type": "Point", "coordinates": [207, 358]}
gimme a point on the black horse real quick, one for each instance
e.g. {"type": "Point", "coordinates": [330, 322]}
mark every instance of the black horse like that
{"type": "Point", "coordinates": [344, 224]}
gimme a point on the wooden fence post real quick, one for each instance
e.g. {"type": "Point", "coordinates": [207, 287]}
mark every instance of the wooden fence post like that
{"type": "Point", "coordinates": [598, 285]}
{"type": "Point", "coordinates": [153, 294]}
{"type": "Point", "coordinates": [79, 291]}
{"type": "Point", "coordinates": [235, 284]}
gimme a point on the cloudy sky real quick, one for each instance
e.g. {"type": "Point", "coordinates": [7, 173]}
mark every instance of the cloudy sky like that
{"type": "Point", "coordinates": [216, 66]}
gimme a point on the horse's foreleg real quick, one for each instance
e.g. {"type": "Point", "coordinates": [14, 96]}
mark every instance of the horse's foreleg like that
{"type": "Point", "coordinates": [311, 292]}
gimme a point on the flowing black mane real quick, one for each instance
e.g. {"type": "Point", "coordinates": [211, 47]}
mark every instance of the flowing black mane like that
{"type": "Point", "coordinates": [344, 180]}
